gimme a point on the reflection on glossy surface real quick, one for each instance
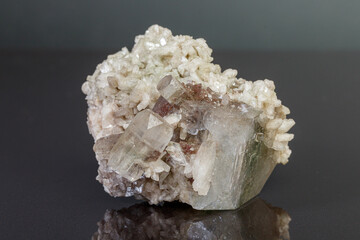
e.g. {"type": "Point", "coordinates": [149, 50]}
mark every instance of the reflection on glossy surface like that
{"type": "Point", "coordinates": [257, 220]}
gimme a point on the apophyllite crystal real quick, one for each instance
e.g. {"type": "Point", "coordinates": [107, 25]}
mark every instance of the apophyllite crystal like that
{"type": "Point", "coordinates": [169, 125]}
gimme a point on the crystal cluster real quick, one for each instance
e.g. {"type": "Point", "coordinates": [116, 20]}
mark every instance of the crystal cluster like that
{"type": "Point", "coordinates": [255, 221]}
{"type": "Point", "coordinates": [169, 125]}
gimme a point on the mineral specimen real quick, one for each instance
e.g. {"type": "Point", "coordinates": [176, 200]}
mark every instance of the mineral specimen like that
{"type": "Point", "coordinates": [257, 220]}
{"type": "Point", "coordinates": [169, 125]}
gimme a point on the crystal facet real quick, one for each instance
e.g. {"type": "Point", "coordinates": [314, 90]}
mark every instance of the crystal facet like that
{"type": "Point", "coordinates": [140, 145]}
{"type": "Point", "coordinates": [171, 89]}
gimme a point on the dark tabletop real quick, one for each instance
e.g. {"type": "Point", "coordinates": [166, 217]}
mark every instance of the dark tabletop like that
{"type": "Point", "coordinates": [48, 169]}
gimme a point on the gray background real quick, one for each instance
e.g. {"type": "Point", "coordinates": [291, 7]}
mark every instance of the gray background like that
{"type": "Point", "coordinates": [48, 168]}
{"type": "Point", "coordinates": [47, 175]}
{"type": "Point", "coordinates": [235, 25]}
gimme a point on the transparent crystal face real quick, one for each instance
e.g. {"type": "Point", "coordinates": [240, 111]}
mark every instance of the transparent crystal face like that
{"type": "Point", "coordinates": [142, 142]}
{"type": "Point", "coordinates": [232, 131]}
{"type": "Point", "coordinates": [171, 89]}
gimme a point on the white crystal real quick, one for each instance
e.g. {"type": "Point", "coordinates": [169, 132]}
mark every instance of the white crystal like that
{"type": "Point", "coordinates": [176, 153]}
{"type": "Point", "coordinates": [203, 165]}
{"type": "Point", "coordinates": [171, 89]}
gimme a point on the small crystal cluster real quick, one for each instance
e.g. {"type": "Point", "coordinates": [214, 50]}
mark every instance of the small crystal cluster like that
{"type": "Point", "coordinates": [255, 221]}
{"type": "Point", "coordinates": [169, 125]}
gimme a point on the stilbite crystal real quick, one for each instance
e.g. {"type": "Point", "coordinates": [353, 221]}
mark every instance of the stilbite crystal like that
{"type": "Point", "coordinates": [203, 165]}
{"type": "Point", "coordinates": [169, 125]}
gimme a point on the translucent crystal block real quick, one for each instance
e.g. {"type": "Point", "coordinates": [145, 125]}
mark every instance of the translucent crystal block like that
{"type": "Point", "coordinates": [193, 114]}
{"type": "Point", "coordinates": [143, 141]}
{"type": "Point", "coordinates": [171, 89]}
{"type": "Point", "coordinates": [240, 169]}
{"type": "Point", "coordinates": [162, 107]}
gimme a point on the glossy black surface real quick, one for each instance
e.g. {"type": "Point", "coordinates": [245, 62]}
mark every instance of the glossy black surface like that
{"type": "Point", "coordinates": [47, 174]}
{"type": "Point", "coordinates": [255, 220]}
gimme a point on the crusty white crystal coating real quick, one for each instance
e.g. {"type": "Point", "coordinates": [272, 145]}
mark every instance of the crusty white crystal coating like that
{"type": "Point", "coordinates": [127, 83]}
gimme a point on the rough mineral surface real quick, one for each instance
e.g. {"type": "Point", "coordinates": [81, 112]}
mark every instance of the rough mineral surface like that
{"type": "Point", "coordinates": [255, 221]}
{"type": "Point", "coordinates": [170, 125]}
